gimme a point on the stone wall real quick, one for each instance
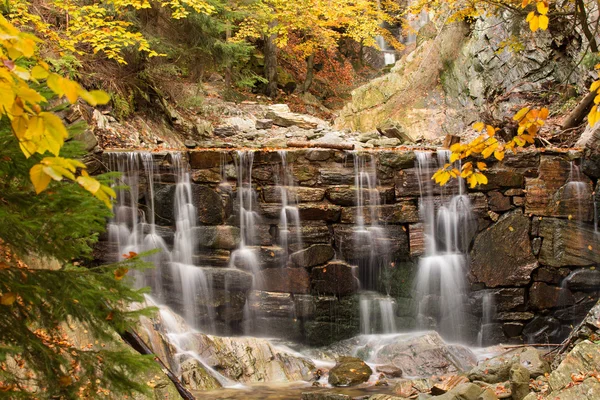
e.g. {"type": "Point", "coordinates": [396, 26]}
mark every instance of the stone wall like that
{"type": "Point", "coordinates": [534, 252]}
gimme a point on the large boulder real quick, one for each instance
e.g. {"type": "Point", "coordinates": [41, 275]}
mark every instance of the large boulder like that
{"type": "Point", "coordinates": [195, 376]}
{"type": "Point", "coordinates": [349, 371]}
{"type": "Point", "coordinates": [502, 255]}
{"type": "Point", "coordinates": [497, 369]}
{"type": "Point", "coordinates": [585, 357]}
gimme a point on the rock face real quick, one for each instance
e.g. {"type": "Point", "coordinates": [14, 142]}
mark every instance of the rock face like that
{"type": "Point", "coordinates": [349, 371]}
{"type": "Point", "coordinates": [335, 278]}
{"type": "Point", "coordinates": [568, 243]}
{"type": "Point", "coordinates": [502, 255]}
{"type": "Point", "coordinates": [584, 357]}
{"type": "Point", "coordinates": [497, 369]}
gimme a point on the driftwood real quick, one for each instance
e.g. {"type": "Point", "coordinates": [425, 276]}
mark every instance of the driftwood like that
{"type": "Point", "coordinates": [135, 341]}
{"type": "Point", "coordinates": [580, 111]}
{"type": "Point", "coordinates": [335, 146]}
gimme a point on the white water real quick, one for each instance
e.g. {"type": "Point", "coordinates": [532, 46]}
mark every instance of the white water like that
{"type": "Point", "coordinates": [440, 283]}
{"type": "Point", "coordinates": [290, 214]}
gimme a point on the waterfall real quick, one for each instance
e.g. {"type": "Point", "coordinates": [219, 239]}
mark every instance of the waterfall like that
{"type": "Point", "coordinates": [290, 214]}
{"type": "Point", "coordinates": [488, 311]}
{"type": "Point", "coordinates": [440, 283]}
{"type": "Point", "coordinates": [577, 191]}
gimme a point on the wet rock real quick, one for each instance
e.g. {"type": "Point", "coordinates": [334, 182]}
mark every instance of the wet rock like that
{"type": "Point", "coordinates": [288, 280]}
{"type": "Point", "coordinates": [387, 241]}
{"type": "Point", "coordinates": [190, 144]}
{"type": "Point", "coordinates": [325, 395]}
{"type": "Point", "coordinates": [500, 178]}
{"type": "Point", "coordinates": [218, 237]}
{"type": "Point", "coordinates": [272, 194]}
{"type": "Point", "coordinates": [549, 275]}
{"type": "Point", "coordinates": [264, 124]}
{"type": "Point", "coordinates": [246, 359]}
{"type": "Point", "coordinates": [195, 377]}
{"type": "Point", "coordinates": [271, 304]}
{"type": "Point", "coordinates": [319, 212]}
{"type": "Point", "coordinates": [212, 258]}
{"type": "Point", "coordinates": [228, 278]}
{"type": "Point", "coordinates": [206, 176]}
{"type": "Point", "coordinates": [399, 213]}
{"type": "Point", "coordinates": [310, 232]}
{"type": "Point", "coordinates": [348, 195]}
{"type": "Point", "coordinates": [390, 371]}
{"type": "Point", "coordinates": [568, 243]}
{"type": "Point", "coordinates": [505, 299]}
{"type": "Point", "coordinates": [497, 369]}
{"type": "Point", "coordinates": [305, 306]}
{"type": "Point", "coordinates": [209, 205]}
{"type": "Point", "coordinates": [322, 333]}
{"type": "Point", "coordinates": [514, 316]}
{"type": "Point", "coordinates": [423, 355]}
{"type": "Point", "coordinates": [543, 296]}
{"type": "Point", "coordinates": [397, 159]}
{"type": "Point", "coordinates": [583, 358]}
{"type": "Point", "coordinates": [349, 371]}
{"type": "Point", "coordinates": [589, 389]}
{"type": "Point", "coordinates": [519, 381]}
{"type": "Point", "coordinates": [501, 255]}
{"type": "Point", "coordinates": [266, 256]}
{"type": "Point", "coordinates": [583, 279]}
{"type": "Point", "coordinates": [337, 176]}
{"type": "Point", "coordinates": [543, 329]}
{"type": "Point", "coordinates": [208, 159]}
{"type": "Point", "coordinates": [314, 255]}
{"type": "Point", "coordinates": [318, 155]}
{"type": "Point", "coordinates": [335, 278]}
{"type": "Point", "coordinates": [491, 334]}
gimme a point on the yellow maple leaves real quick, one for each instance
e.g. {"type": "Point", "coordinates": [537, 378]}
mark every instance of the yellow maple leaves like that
{"type": "Point", "coordinates": [594, 115]}
{"type": "Point", "coordinates": [486, 144]}
{"type": "Point", "coordinates": [537, 19]}
{"type": "Point", "coordinates": [39, 131]}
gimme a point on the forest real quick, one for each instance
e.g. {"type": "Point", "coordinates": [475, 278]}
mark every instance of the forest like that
{"type": "Point", "coordinates": [300, 199]}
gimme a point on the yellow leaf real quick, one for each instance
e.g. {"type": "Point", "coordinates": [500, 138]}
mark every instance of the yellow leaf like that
{"type": "Point", "coordinates": [39, 72]}
{"type": "Point", "coordinates": [490, 130]}
{"type": "Point", "coordinates": [489, 150]}
{"type": "Point", "coordinates": [472, 181]}
{"type": "Point", "coordinates": [100, 96]}
{"type": "Point", "coordinates": [8, 298]}
{"type": "Point", "coordinates": [481, 166]}
{"type": "Point", "coordinates": [481, 178]}
{"type": "Point", "coordinates": [530, 16]}
{"type": "Point", "coordinates": [595, 85]}
{"type": "Point", "coordinates": [544, 21]}
{"type": "Point", "coordinates": [39, 178]}
{"type": "Point", "coordinates": [120, 273]}
{"type": "Point", "coordinates": [522, 112]}
{"type": "Point", "coordinates": [478, 126]}
{"type": "Point", "coordinates": [454, 157]}
{"type": "Point", "coordinates": [544, 113]}
{"type": "Point", "coordinates": [534, 23]}
{"type": "Point", "coordinates": [455, 147]}
{"type": "Point", "coordinates": [542, 8]}
{"type": "Point", "coordinates": [89, 184]}
{"type": "Point", "coordinates": [499, 155]}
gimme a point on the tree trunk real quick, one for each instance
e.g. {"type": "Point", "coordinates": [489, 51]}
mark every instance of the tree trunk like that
{"type": "Point", "coordinates": [270, 52]}
{"type": "Point", "coordinates": [310, 73]}
{"type": "Point", "coordinates": [583, 20]}
{"type": "Point", "coordinates": [580, 111]}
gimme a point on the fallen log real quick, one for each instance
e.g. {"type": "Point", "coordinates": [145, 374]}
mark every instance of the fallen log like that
{"type": "Point", "coordinates": [135, 341]}
{"type": "Point", "coordinates": [580, 111]}
{"type": "Point", "coordinates": [335, 146]}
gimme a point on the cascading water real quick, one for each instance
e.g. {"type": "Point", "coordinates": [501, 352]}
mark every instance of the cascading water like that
{"type": "Point", "coordinates": [576, 192]}
{"type": "Point", "coordinates": [376, 310]}
{"type": "Point", "coordinates": [440, 283]}
{"type": "Point", "coordinates": [289, 215]}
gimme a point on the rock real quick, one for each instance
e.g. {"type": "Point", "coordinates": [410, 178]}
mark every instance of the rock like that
{"type": "Point", "coordinates": [206, 176]}
{"type": "Point", "coordinates": [589, 389]}
{"type": "Point", "coordinates": [568, 243]}
{"type": "Point", "coordinates": [288, 280]}
{"type": "Point", "coordinates": [305, 306]}
{"type": "Point", "coordinates": [334, 278]}
{"type": "Point", "coordinates": [583, 279]}
{"type": "Point", "coordinates": [447, 383]}
{"type": "Point", "coordinates": [224, 131]}
{"type": "Point", "coordinates": [514, 316]}
{"type": "Point", "coordinates": [87, 139]}
{"type": "Point", "coordinates": [397, 159]}
{"type": "Point", "coordinates": [464, 391]}
{"type": "Point", "coordinates": [508, 241]}
{"type": "Point", "coordinates": [497, 369]}
{"type": "Point", "coordinates": [310, 232]}
{"type": "Point", "coordinates": [498, 202]}
{"type": "Point", "coordinates": [337, 176]}
{"type": "Point", "coordinates": [264, 124]}
{"type": "Point", "coordinates": [190, 144]}
{"type": "Point", "coordinates": [390, 371]}
{"type": "Point", "coordinates": [318, 155]}
{"type": "Point", "coordinates": [386, 241]}
{"type": "Point", "coordinates": [322, 333]}
{"type": "Point", "coordinates": [195, 377]}
{"type": "Point", "coordinates": [305, 173]}
{"type": "Point", "coordinates": [266, 256]}
{"type": "Point", "coordinates": [246, 359]}
{"type": "Point", "coordinates": [325, 395]}
{"type": "Point", "coordinates": [543, 329]}
{"type": "Point", "coordinates": [302, 194]}
{"type": "Point", "coordinates": [218, 237]}
{"type": "Point", "coordinates": [271, 304]}
{"type": "Point", "coordinates": [287, 119]}
{"type": "Point", "coordinates": [542, 296]}
{"type": "Point", "coordinates": [421, 356]}
{"type": "Point", "coordinates": [212, 258]}
{"type": "Point", "coordinates": [519, 381]}
{"type": "Point", "coordinates": [348, 196]}
{"type": "Point", "coordinates": [210, 207]}
{"type": "Point", "coordinates": [228, 278]}
{"type": "Point", "coordinates": [349, 371]}
{"type": "Point", "coordinates": [491, 334]}
{"type": "Point", "coordinates": [512, 329]}
{"type": "Point", "coordinates": [365, 137]}
{"type": "Point", "coordinates": [208, 159]}
{"type": "Point", "coordinates": [583, 358]}
{"type": "Point", "coordinates": [314, 255]}
{"type": "Point", "coordinates": [399, 213]}
{"type": "Point", "coordinates": [385, 142]}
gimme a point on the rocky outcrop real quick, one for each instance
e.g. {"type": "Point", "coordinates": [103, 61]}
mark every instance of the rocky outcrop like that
{"type": "Point", "coordinates": [497, 369]}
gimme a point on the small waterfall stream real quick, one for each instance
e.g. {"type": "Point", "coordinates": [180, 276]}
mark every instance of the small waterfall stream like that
{"type": "Point", "coordinates": [441, 277]}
